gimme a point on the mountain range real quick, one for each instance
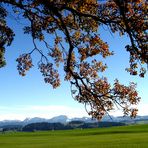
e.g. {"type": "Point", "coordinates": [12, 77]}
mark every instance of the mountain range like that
{"type": "Point", "coordinates": [64, 119]}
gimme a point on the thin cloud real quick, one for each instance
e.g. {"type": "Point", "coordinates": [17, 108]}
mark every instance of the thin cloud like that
{"type": "Point", "coordinates": [21, 112]}
{"type": "Point", "coordinates": [49, 111]}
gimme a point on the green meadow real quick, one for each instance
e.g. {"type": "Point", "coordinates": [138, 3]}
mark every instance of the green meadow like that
{"type": "Point", "coordinates": [132, 136]}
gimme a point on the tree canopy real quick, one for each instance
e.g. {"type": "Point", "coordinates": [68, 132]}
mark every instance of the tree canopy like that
{"type": "Point", "coordinates": [77, 46]}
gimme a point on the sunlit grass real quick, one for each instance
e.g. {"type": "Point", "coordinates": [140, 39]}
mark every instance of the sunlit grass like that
{"type": "Point", "coordinates": [116, 137]}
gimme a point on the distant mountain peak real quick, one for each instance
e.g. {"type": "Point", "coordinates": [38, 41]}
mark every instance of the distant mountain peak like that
{"type": "Point", "coordinates": [65, 119]}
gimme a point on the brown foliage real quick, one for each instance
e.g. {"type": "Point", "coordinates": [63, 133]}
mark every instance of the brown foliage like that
{"type": "Point", "coordinates": [76, 23]}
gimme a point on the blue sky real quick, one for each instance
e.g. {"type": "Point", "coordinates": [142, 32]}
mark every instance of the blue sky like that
{"type": "Point", "coordinates": [29, 96]}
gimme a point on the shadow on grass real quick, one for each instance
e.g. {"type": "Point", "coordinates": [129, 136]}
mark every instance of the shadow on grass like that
{"type": "Point", "coordinates": [118, 130]}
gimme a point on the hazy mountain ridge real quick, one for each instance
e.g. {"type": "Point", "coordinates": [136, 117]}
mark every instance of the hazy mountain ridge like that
{"type": "Point", "coordinates": [64, 119]}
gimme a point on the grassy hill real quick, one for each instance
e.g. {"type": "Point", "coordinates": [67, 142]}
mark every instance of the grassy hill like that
{"type": "Point", "coordinates": [135, 136]}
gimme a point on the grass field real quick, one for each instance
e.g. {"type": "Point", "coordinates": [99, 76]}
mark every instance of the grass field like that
{"type": "Point", "coordinates": [116, 137]}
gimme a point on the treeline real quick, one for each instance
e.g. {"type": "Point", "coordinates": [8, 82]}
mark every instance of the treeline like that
{"type": "Point", "coordinates": [43, 126]}
{"type": "Point", "coordinates": [6, 128]}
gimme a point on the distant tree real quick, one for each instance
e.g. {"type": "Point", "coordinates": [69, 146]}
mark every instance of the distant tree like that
{"type": "Point", "coordinates": [73, 24]}
{"type": "Point", "coordinates": [43, 126]}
